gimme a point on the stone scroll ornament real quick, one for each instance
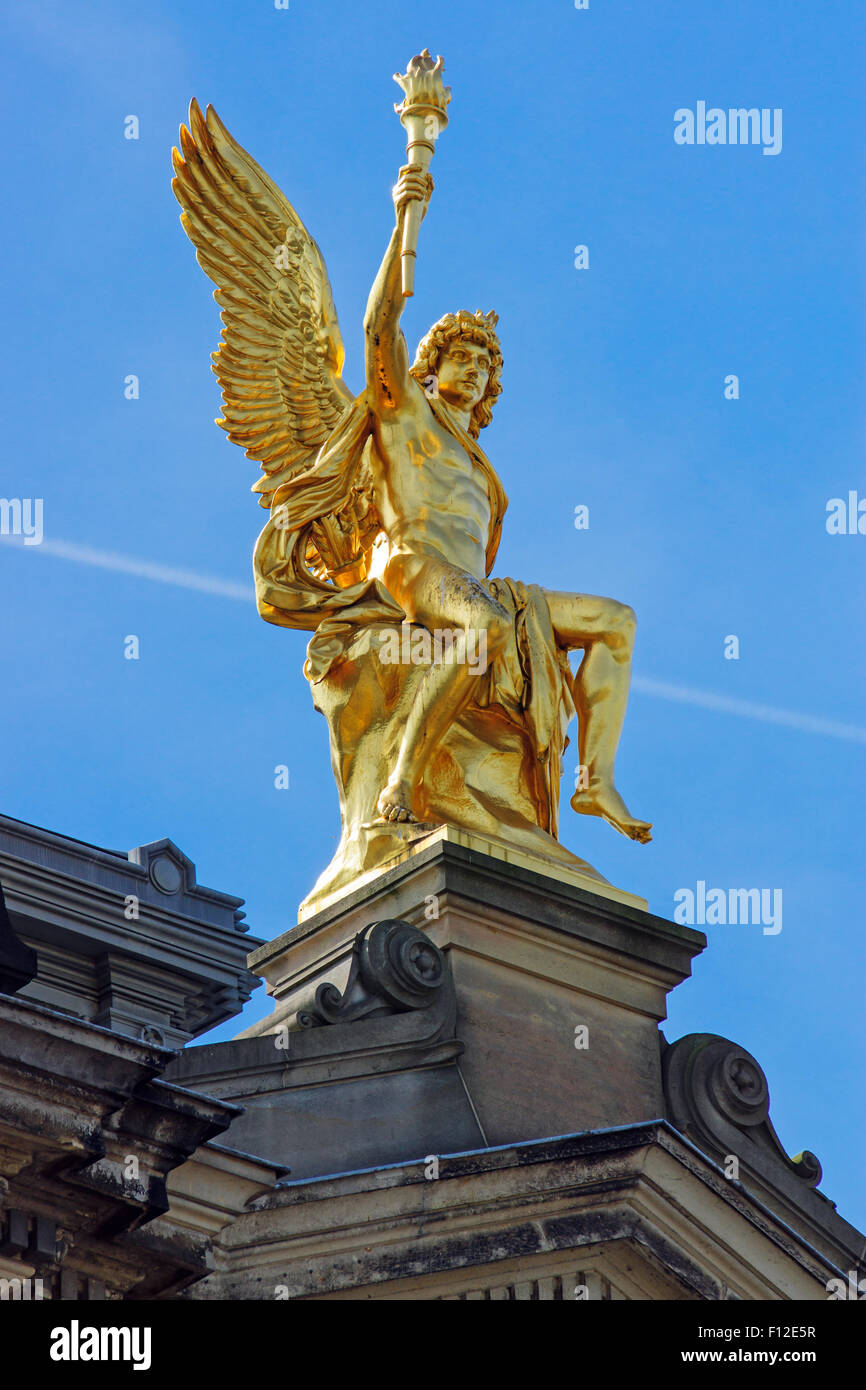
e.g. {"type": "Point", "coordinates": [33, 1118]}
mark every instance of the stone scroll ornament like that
{"type": "Point", "coordinates": [447, 692]}
{"type": "Point", "coordinates": [717, 1094]}
{"type": "Point", "coordinates": [395, 968]}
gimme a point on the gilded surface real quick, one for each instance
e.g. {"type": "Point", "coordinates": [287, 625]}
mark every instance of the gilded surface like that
{"type": "Point", "coordinates": [447, 692]}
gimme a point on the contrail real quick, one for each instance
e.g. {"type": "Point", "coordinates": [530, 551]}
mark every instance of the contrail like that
{"type": "Point", "coordinates": [681, 694]}
{"type": "Point", "coordinates": [162, 574]}
{"type": "Point", "coordinates": [747, 709]}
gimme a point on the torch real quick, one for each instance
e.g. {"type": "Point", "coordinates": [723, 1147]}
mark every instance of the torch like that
{"type": "Point", "coordinates": [422, 114]}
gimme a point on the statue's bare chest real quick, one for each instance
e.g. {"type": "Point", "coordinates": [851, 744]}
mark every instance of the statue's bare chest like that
{"type": "Point", "coordinates": [423, 470]}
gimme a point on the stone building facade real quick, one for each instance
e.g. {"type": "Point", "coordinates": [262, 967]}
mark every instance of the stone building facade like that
{"type": "Point", "coordinates": [463, 1092]}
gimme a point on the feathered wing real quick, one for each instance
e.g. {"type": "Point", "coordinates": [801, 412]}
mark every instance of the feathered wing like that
{"type": "Point", "coordinates": [281, 355]}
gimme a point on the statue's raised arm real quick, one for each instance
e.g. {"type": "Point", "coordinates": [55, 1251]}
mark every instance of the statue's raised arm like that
{"type": "Point", "coordinates": [386, 353]}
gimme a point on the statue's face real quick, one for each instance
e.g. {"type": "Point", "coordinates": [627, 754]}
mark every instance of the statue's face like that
{"type": "Point", "coordinates": [464, 370]}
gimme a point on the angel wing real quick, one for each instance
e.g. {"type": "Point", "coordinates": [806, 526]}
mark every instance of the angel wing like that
{"type": "Point", "coordinates": [281, 354]}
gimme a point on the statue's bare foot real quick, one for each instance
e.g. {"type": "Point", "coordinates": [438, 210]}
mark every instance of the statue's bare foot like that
{"type": "Point", "coordinates": [395, 801]}
{"type": "Point", "coordinates": [599, 799]}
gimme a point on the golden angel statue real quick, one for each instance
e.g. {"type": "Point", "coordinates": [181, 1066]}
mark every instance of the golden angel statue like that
{"type": "Point", "coordinates": [447, 692]}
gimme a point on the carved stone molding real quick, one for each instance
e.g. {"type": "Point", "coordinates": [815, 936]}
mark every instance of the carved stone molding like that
{"type": "Point", "coordinates": [125, 941]}
{"type": "Point", "coordinates": [717, 1095]}
{"type": "Point", "coordinates": [395, 968]}
{"type": "Point", "coordinates": [18, 962]}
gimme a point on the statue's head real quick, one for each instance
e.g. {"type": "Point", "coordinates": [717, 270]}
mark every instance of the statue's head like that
{"type": "Point", "coordinates": [462, 352]}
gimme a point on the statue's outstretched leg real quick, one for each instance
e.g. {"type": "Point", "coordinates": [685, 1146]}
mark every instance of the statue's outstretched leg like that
{"type": "Point", "coordinates": [605, 630]}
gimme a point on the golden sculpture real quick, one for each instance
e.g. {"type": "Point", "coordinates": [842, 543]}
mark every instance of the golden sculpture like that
{"type": "Point", "coordinates": [447, 693]}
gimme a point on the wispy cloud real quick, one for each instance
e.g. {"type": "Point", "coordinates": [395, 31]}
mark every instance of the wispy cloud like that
{"type": "Point", "coordinates": [663, 690]}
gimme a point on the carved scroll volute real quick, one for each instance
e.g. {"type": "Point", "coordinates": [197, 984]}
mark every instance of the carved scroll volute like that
{"type": "Point", "coordinates": [395, 968]}
{"type": "Point", "coordinates": [401, 964]}
{"type": "Point", "coordinates": [713, 1089]}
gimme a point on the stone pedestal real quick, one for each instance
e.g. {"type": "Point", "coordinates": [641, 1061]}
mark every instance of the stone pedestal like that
{"type": "Point", "coordinates": [557, 994]}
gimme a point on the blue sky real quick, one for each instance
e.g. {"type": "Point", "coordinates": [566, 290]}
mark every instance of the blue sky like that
{"type": "Point", "coordinates": [707, 514]}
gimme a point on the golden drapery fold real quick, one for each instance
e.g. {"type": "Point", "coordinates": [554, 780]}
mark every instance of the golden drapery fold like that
{"type": "Point", "coordinates": [531, 679]}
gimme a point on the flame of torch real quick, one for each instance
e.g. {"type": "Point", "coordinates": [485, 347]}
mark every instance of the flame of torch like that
{"type": "Point", "coordinates": [423, 115]}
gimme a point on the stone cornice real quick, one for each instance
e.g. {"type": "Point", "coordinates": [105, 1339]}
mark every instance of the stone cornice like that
{"type": "Point", "coordinates": [132, 942]}
{"type": "Point", "coordinates": [641, 1186]}
{"type": "Point", "coordinates": [78, 854]}
{"type": "Point", "coordinates": [535, 897]}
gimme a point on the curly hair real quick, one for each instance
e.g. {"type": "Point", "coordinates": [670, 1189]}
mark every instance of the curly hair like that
{"type": "Point", "coordinates": [470, 328]}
